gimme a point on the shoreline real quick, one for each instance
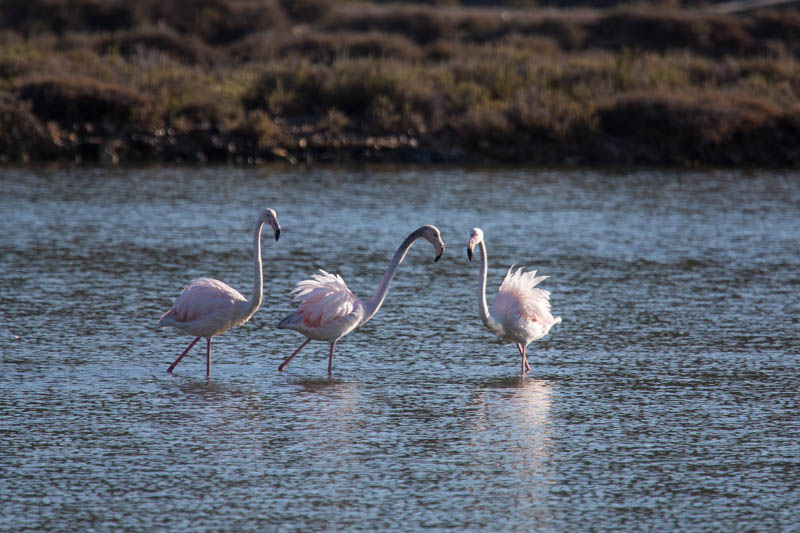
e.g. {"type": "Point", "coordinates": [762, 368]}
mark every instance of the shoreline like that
{"type": "Point", "coordinates": [213, 148]}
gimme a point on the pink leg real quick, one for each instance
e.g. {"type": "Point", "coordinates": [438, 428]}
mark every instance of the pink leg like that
{"type": "Point", "coordinates": [330, 358]}
{"type": "Point", "coordinates": [178, 360]}
{"type": "Point", "coordinates": [208, 358]}
{"type": "Point", "coordinates": [525, 366]}
{"type": "Point", "coordinates": [297, 351]}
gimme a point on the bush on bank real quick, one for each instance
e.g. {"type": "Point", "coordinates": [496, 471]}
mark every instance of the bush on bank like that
{"type": "Point", "coordinates": [254, 80]}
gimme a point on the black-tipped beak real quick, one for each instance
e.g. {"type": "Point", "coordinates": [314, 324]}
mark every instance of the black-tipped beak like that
{"type": "Point", "coordinates": [469, 253]}
{"type": "Point", "coordinates": [439, 255]}
{"type": "Point", "coordinates": [277, 233]}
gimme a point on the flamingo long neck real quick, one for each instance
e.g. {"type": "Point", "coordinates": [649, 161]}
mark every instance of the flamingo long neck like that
{"type": "Point", "coordinates": [483, 307]}
{"type": "Point", "coordinates": [254, 302]}
{"type": "Point", "coordinates": [375, 302]}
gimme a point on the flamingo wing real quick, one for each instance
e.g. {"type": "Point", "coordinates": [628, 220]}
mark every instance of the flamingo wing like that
{"type": "Point", "coordinates": [202, 298]}
{"type": "Point", "coordinates": [519, 295]}
{"type": "Point", "coordinates": [323, 298]}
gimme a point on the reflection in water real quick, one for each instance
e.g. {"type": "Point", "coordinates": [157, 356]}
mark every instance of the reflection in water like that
{"type": "Point", "coordinates": [521, 402]}
{"type": "Point", "coordinates": [330, 406]}
{"type": "Point", "coordinates": [529, 408]}
{"type": "Point", "coordinates": [513, 419]}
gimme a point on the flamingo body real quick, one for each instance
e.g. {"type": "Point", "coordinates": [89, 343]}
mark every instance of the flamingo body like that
{"type": "Point", "coordinates": [208, 307]}
{"type": "Point", "coordinates": [522, 309]}
{"type": "Point", "coordinates": [328, 310]}
{"type": "Point", "coordinates": [520, 312]}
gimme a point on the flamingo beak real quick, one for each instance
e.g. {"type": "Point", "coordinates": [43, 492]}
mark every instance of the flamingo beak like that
{"type": "Point", "coordinates": [277, 233]}
{"type": "Point", "coordinates": [469, 252]}
{"type": "Point", "coordinates": [441, 251]}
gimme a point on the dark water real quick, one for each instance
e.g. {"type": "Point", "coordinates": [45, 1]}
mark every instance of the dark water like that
{"type": "Point", "coordinates": [667, 400]}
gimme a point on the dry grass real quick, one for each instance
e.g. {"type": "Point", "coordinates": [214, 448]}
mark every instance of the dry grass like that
{"type": "Point", "coordinates": [263, 77]}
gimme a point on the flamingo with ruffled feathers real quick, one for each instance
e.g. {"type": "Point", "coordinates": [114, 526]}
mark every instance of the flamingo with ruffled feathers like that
{"type": "Point", "coordinates": [520, 311]}
{"type": "Point", "coordinates": [327, 310]}
{"type": "Point", "coordinates": [208, 307]}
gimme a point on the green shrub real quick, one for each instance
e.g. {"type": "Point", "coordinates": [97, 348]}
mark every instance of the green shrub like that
{"type": "Point", "coordinates": [21, 59]}
{"type": "Point", "coordinates": [548, 115]}
{"type": "Point", "coordinates": [259, 128]}
{"type": "Point", "coordinates": [334, 122]}
{"type": "Point", "coordinates": [650, 30]}
{"type": "Point", "coordinates": [484, 124]}
{"type": "Point", "coordinates": [186, 48]}
{"type": "Point", "coordinates": [568, 33]}
{"type": "Point", "coordinates": [712, 127]}
{"type": "Point", "coordinates": [423, 25]}
{"type": "Point", "coordinates": [306, 10]}
{"type": "Point", "coordinates": [326, 47]}
{"type": "Point", "coordinates": [75, 99]}
{"type": "Point", "coordinates": [60, 16]}
{"type": "Point", "coordinates": [288, 88]}
{"type": "Point", "coordinates": [215, 21]}
{"type": "Point", "coordinates": [19, 127]}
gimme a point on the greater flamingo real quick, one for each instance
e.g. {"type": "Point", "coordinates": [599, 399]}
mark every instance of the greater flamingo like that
{"type": "Point", "coordinates": [328, 310]}
{"type": "Point", "coordinates": [520, 312]}
{"type": "Point", "coordinates": [208, 307]}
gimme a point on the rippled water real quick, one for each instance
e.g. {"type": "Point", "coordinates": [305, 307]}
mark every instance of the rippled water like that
{"type": "Point", "coordinates": [666, 400]}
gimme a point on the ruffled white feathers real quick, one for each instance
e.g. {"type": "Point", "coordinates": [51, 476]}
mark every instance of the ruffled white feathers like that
{"type": "Point", "coordinates": [323, 298]}
{"type": "Point", "coordinates": [518, 294]}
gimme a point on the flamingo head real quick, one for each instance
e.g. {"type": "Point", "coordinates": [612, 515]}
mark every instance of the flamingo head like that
{"type": "Point", "coordinates": [475, 238]}
{"type": "Point", "coordinates": [433, 236]}
{"type": "Point", "coordinates": [269, 216]}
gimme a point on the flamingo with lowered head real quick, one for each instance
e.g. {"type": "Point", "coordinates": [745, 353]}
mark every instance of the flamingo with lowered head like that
{"type": "Point", "coordinates": [520, 312]}
{"type": "Point", "coordinates": [208, 307]}
{"type": "Point", "coordinates": [328, 310]}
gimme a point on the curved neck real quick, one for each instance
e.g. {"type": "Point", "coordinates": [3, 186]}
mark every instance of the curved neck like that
{"type": "Point", "coordinates": [483, 307]}
{"type": "Point", "coordinates": [375, 302]}
{"type": "Point", "coordinates": [258, 276]}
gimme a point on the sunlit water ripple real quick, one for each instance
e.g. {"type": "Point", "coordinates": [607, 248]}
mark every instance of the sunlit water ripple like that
{"type": "Point", "coordinates": [666, 400]}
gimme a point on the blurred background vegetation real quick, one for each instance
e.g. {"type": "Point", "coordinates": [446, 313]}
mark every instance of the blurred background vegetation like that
{"type": "Point", "coordinates": [566, 82]}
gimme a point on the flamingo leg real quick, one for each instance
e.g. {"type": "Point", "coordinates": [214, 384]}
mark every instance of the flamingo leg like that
{"type": "Point", "coordinates": [330, 358]}
{"type": "Point", "coordinates": [522, 351]}
{"type": "Point", "coordinates": [208, 358]}
{"type": "Point", "coordinates": [178, 360]}
{"type": "Point", "coordinates": [297, 351]}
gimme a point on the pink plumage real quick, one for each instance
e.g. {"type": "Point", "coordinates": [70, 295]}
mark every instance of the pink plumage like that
{"type": "Point", "coordinates": [519, 299]}
{"type": "Point", "coordinates": [323, 298]}
{"type": "Point", "coordinates": [520, 312]}
{"type": "Point", "coordinates": [327, 310]}
{"type": "Point", "coordinates": [208, 307]}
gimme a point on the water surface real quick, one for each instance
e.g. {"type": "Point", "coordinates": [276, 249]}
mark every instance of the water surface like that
{"type": "Point", "coordinates": [666, 400]}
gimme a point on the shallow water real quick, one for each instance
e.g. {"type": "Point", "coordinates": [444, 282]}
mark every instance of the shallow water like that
{"type": "Point", "coordinates": [666, 400]}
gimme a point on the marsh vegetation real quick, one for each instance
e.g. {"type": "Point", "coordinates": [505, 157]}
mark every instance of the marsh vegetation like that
{"type": "Point", "coordinates": [257, 80]}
